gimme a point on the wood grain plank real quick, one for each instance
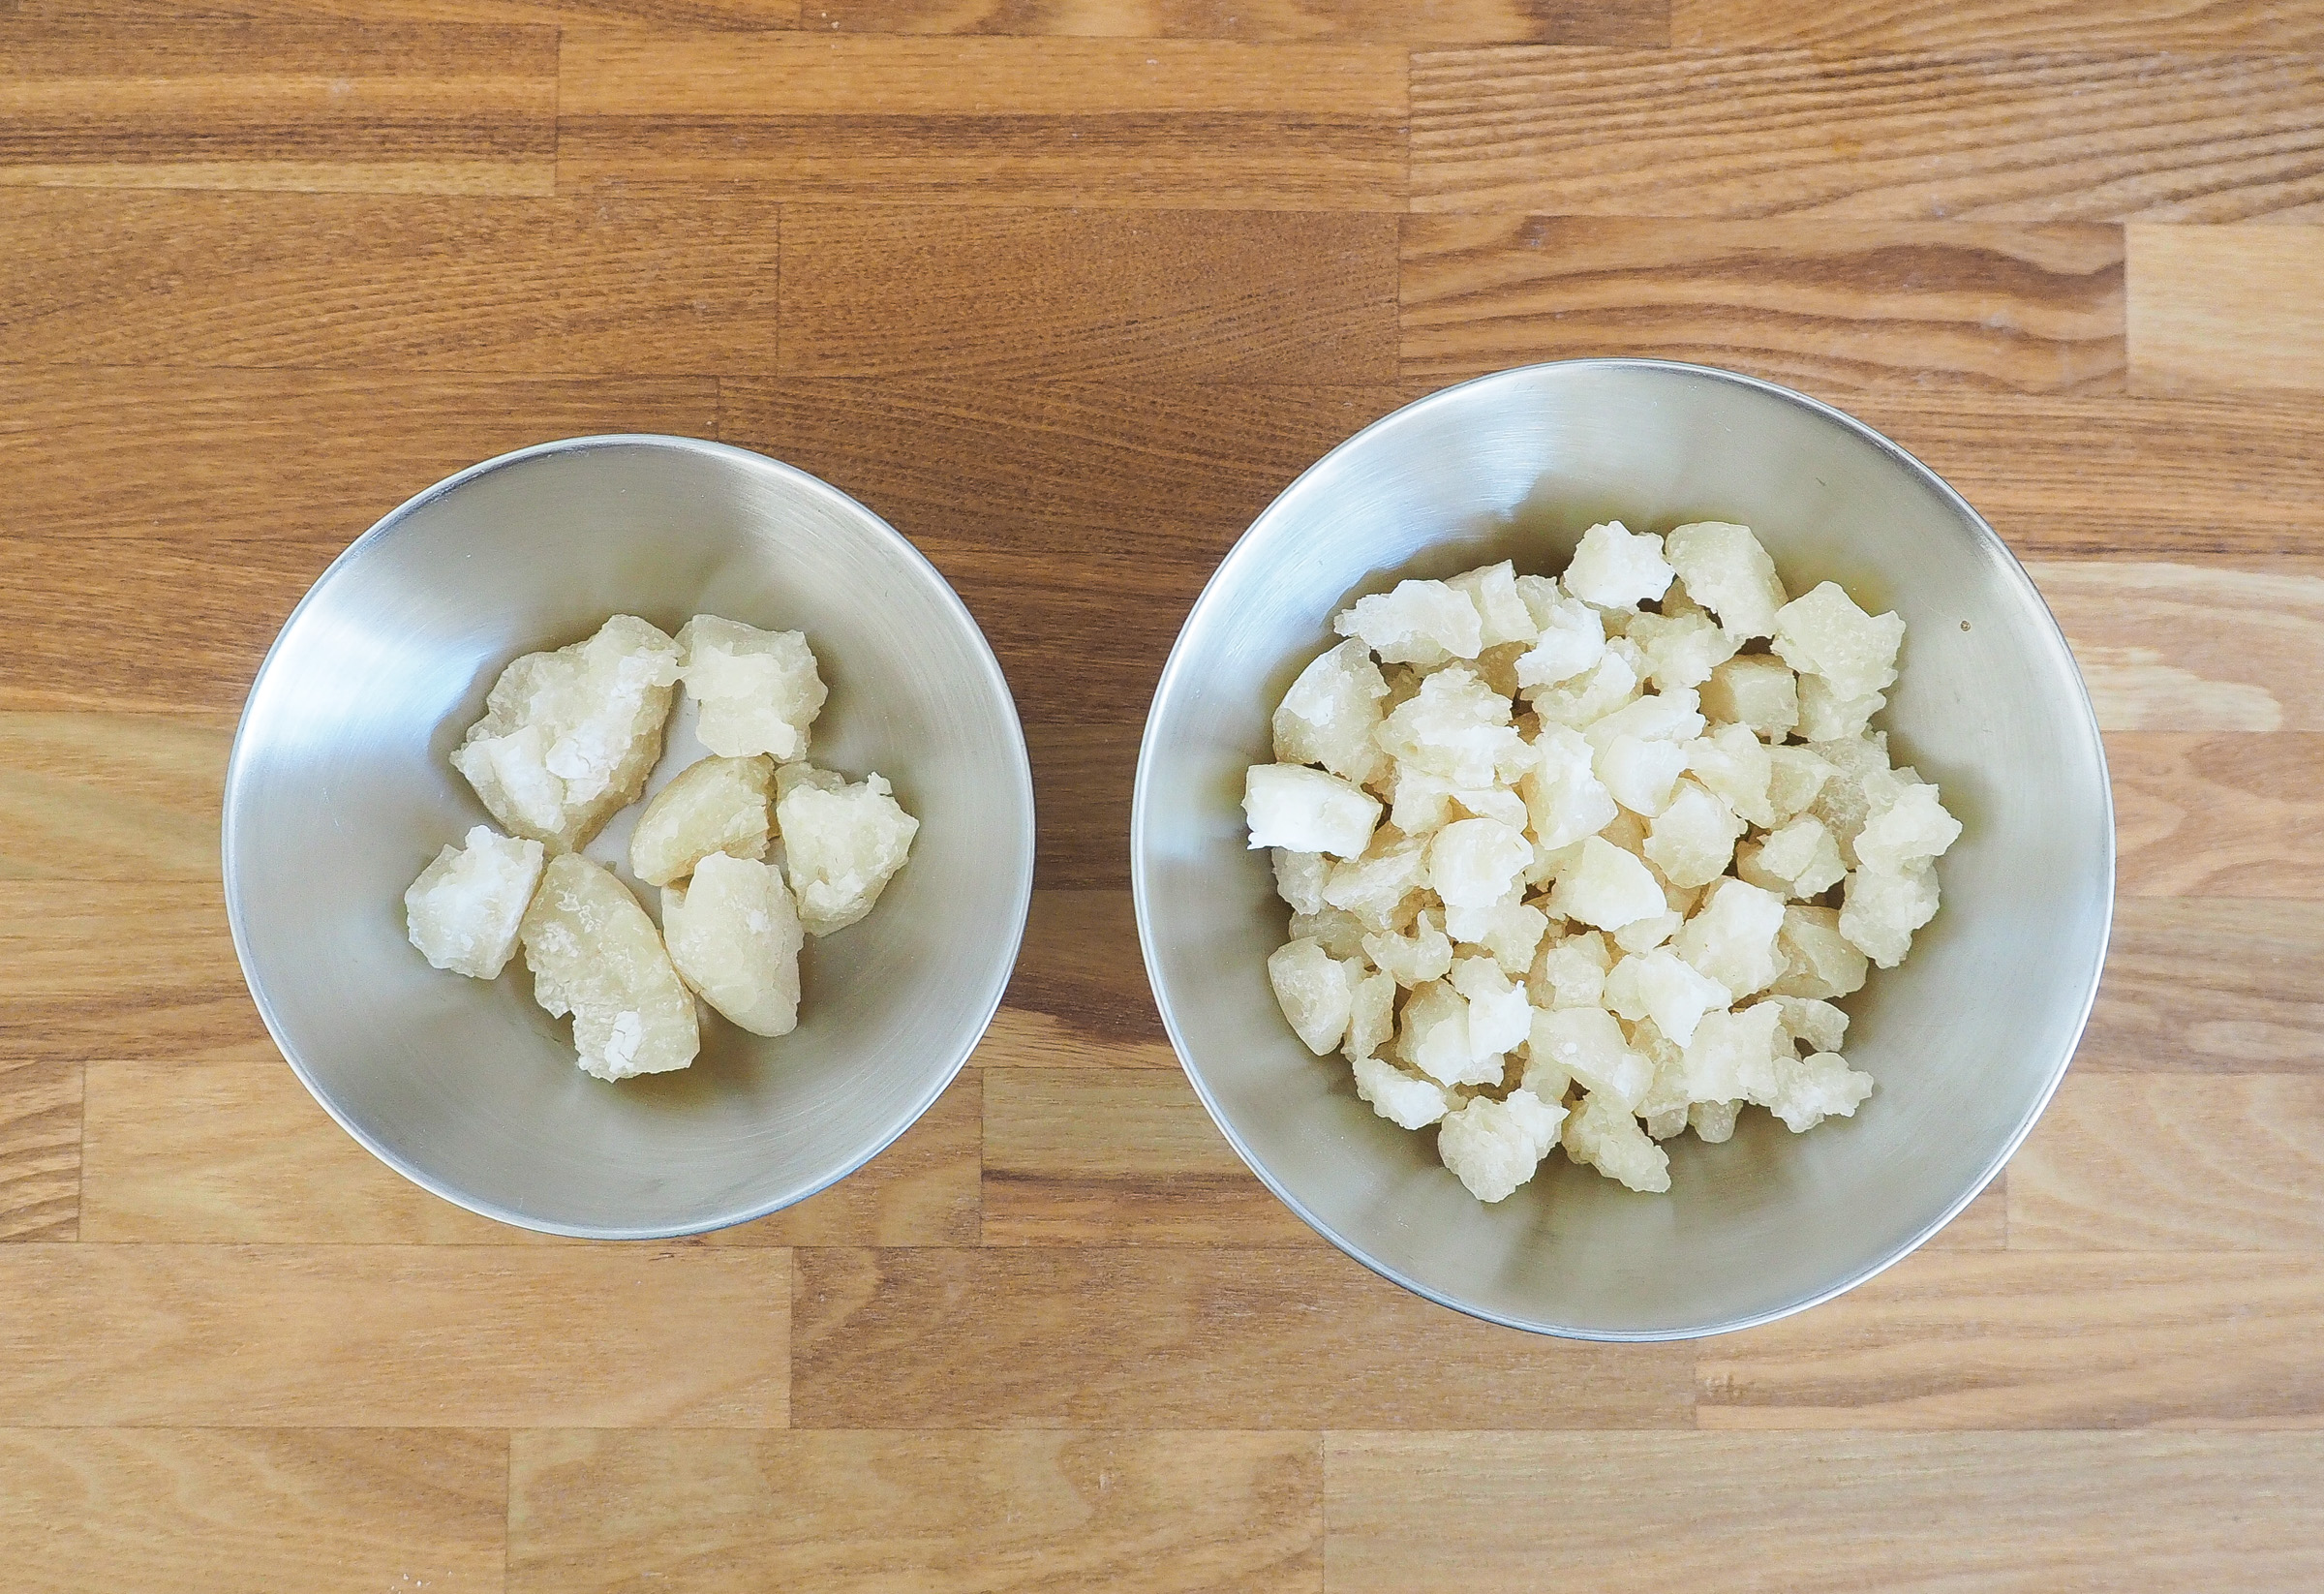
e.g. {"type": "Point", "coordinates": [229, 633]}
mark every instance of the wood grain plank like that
{"type": "Point", "coordinates": [1082, 779]}
{"type": "Point", "coordinates": [393, 1337]}
{"type": "Point", "coordinates": [1059, 296]}
{"type": "Point", "coordinates": [121, 970]}
{"type": "Point", "coordinates": [186, 1512]}
{"type": "Point", "coordinates": [666, 14]}
{"type": "Point", "coordinates": [1983, 1225]}
{"type": "Point", "coordinates": [2229, 816]}
{"type": "Point", "coordinates": [1118, 1158]}
{"type": "Point", "coordinates": [2238, 479]}
{"type": "Point", "coordinates": [2176, 647]}
{"type": "Point", "coordinates": [2135, 1162]}
{"type": "Point", "coordinates": [1079, 961]}
{"type": "Point", "coordinates": [1050, 1336]}
{"type": "Point", "coordinates": [1643, 22]}
{"type": "Point", "coordinates": [1964, 136]}
{"type": "Point", "coordinates": [992, 121]}
{"type": "Point", "coordinates": [986, 1512]}
{"type": "Point", "coordinates": [2210, 986]}
{"type": "Point", "coordinates": [194, 456]}
{"type": "Point", "coordinates": [109, 797]}
{"type": "Point", "coordinates": [236, 1152]}
{"type": "Point", "coordinates": [39, 1151]}
{"type": "Point", "coordinates": [1022, 1039]}
{"type": "Point", "coordinates": [2224, 307]}
{"type": "Point", "coordinates": [339, 109]}
{"type": "Point", "coordinates": [1823, 1513]}
{"type": "Point", "coordinates": [2036, 1341]}
{"type": "Point", "coordinates": [1824, 304]}
{"type": "Point", "coordinates": [604, 284]}
{"type": "Point", "coordinates": [1997, 24]}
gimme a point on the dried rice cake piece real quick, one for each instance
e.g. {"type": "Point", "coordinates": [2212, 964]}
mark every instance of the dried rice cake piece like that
{"type": "Point", "coordinates": [734, 936]}
{"type": "Point", "coordinates": [1510, 932]}
{"type": "Point", "coordinates": [1733, 762]}
{"type": "Point", "coordinates": [1818, 961]}
{"type": "Point", "coordinates": [1424, 623]}
{"type": "Point", "coordinates": [1587, 1046]}
{"type": "Point", "coordinates": [1731, 1056]}
{"type": "Point", "coordinates": [1473, 866]}
{"type": "Point", "coordinates": [1603, 1134]}
{"type": "Point", "coordinates": [1300, 878]}
{"type": "Point", "coordinates": [1434, 1033]}
{"type": "Point", "coordinates": [1732, 936]}
{"type": "Point", "coordinates": [1569, 637]}
{"type": "Point", "coordinates": [1713, 1122]}
{"type": "Point", "coordinates": [1694, 837]}
{"type": "Point", "coordinates": [1881, 908]}
{"type": "Point", "coordinates": [842, 843]}
{"type": "Point", "coordinates": [1455, 727]}
{"type": "Point", "coordinates": [1825, 715]}
{"type": "Point", "coordinates": [1504, 618]}
{"type": "Point", "coordinates": [1681, 650]}
{"type": "Point", "coordinates": [1306, 810]}
{"type": "Point", "coordinates": [1375, 885]}
{"type": "Point", "coordinates": [1665, 988]}
{"type": "Point", "coordinates": [1804, 1092]}
{"type": "Point", "coordinates": [1406, 1100]}
{"type": "Point", "coordinates": [1728, 571]}
{"type": "Point", "coordinates": [1802, 859]}
{"type": "Point", "coordinates": [1818, 1026]}
{"type": "Point", "coordinates": [464, 909]}
{"type": "Point", "coordinates": [1617, 568]}
{"type": "Point", "coordinates": [1371, 1014]}
{"type": "Point", "coordinates": [1795, 776]}
{"type": "Point", "coordinates": [1493, 1146]}
{"type": "Point", "coordinates": [1823, 633]}
{"type": "Point", "coordinates": [1611, 683]}
{"type": "Point", "coordinates": [1313, 989]}
{"type": "Point", "coordinates": [594, 954]}
{"type": "Point", "coordinates": [1335, 930]}
{"type": "Point", "coordinates": [568, 737]}
{"type": "Point", "coordinates": [1756, 691]}
{"type": "Point", "coordinates": [1564, 798]}
{"type": "Point", "coordinates": [1905, 826]}
{"type": "Point", "coordinates": [714, 805]}
{"type": "Point", "coordinates": [1415, 959]}
{"type": "Point", "coordinates": [1606, 887]}
{"type": "Point", "coordinates": [1499, 1016]}
{"type": "Point", "coordinates": [760, 691]}
{"type": "Point", "coordinates": [1570, 972]}
{"type": "Point", "coordinates": [1330, 711]}
{"type": "Point", "coordinates": [1422, 802]}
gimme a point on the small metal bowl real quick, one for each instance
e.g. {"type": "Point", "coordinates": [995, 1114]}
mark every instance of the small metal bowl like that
{"type": "Point", "coordinates": [1967, 1038]}
{"type": "Point", "coordinates": [339, 791]}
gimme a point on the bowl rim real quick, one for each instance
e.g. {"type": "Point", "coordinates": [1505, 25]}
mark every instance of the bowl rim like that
{"type": "Point", "coordinates": [1149, 751]}
{"type": "Point", "coordinates": [385, 527]}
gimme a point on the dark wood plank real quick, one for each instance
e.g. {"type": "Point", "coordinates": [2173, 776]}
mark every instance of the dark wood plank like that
{"type": "Point", "coordinates": [1057, 295]}
{"type": "Point", "coordinates": [39, 1151]}
{"type": "Point", "coordinates": [608, 284]}
{"type": "Point", "coordinates": [338, 108]}
{"type": "Point", "coordinates": [1080, 962]}
{"type": "Point", "coordinates": [660, 14]}
{"type": "Point", "coordinates": [850, 1513]}
{"type": "Point", "coordinates": [1023, 1039]}
{"type": "Point", "coordinates": [1995, 24]}
{"type": "Point", "coordinates": [186, 1510]}
{"type": "Point", "coordinates": [1082, 779]}
{"type": "Point", "coordinates": [1964, 136]}
{"type": "Point", "coordinates": [2164, 1162]}
{"type": "Point", "coordinates": [992, 121]}
{"type": "Point", "coordinates": [1044, 1337]}
{"type": "Point", "coordinates": [2196, 986]}
{"type": "Point", "coordinates": [1819, 304]}
{"type": "Point", "coordinates": [1954, 1340]}
{"type": "Point", "coordinates": [1258, 21]}
{"type": "Point", "coordinates": [2236, 815]}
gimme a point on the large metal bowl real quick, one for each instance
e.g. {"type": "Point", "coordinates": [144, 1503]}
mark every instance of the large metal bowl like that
{"type": "Point", "coordinates": [1967, 1039]}
{"type": "Point", "coordinates": [339, 791]}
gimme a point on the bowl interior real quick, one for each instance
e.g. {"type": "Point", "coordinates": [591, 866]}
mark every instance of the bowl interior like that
{"type": "Point", "coordinates": [1967, 1038]}
{"type": "Point", "coordinates": [340, 792]}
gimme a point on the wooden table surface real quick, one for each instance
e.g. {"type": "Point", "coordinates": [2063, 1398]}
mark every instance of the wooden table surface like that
{"type": "Point", "coordinates": [1068, 290]}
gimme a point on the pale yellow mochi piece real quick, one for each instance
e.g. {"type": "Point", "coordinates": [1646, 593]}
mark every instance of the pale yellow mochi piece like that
{"type": "Point", "coordinates": [714, 805]}
{"type": "Point", "coordinates": [734, 936]}
{"type": "Point", "coordinates": [464, 909]}
{"type": "Point", "coordinates": [760, 691]}
{"type": "Point", "coordinates": [842, 843]}
{"type": "Point", "coordinates": [594, 954]}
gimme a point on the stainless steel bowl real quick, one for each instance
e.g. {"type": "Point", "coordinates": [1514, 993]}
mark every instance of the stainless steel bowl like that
{"type": "Point", "coordinates": [1967, 1039]}
{"type": "Point", "coordinates": [339, 791]}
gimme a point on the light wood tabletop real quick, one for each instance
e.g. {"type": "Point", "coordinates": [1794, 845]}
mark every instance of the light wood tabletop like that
{"type": "Point", "coordinates": [1067, 290]}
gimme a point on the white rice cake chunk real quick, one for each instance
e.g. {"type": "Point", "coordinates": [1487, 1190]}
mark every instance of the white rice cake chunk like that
{"type": "Point", "coordinates": [1406, 1100]}
{"type": "Point", "coordinates": [1313, 989]}
{"type": "Point", "coordinates": [1859, 770]}
{"type": "Point", "coordinates": [1433, 1036]}
{"type": "Point", "coordinates": [714, 805]}
{"type": "Point", "coordinates": [1510, 935]}
{"type": "Point", "coordinates": [464, 909]}
{"type": "Point", "coordinates": [1500, 1019]}
{"type": "Point", "coordinates": [1474, 864]}
{"type": "Point", "coordinates": [1693, 838]}
{"type": "Point", "coordinates": [1731, 1056]}
{"type": "Point", "coordinates": [1662, 986]}
{"type": "Point", "coordinates": [1681, 650]}
{"type": "Point", "coordinates": [760, 691]}
{"type": "Point", "coordinates": [1422, 802]}
{"type": "Point", "coordinates": [1415, 959]}
{"type": "Point", "coordinates": [1306, 810]}
{"type": "Point", "coordinates": [1825, 715]}
{"type": "Point", "coordinates": [734, 936]}
{"type": "Point", "coordinates": [568, 737]}
{"type": "Point", "coordinates": [1611, 683]}
{"type": "Point", "coordinates": [1905, 826]}
{"type": "Point", "coordinates": [1603, 1134]}
{"type": "Point", "coordinates": [1818, 961]}
{"type": "Point", "coordinates": [1375, 886]}
{"type": "Point", "coordinates": [1732, 936]}
{"type": "Point", "coordinates": [842, 841]}
{"type": "Point", "coordinates": [1587, 1046]}
{"type": "Point", "coordinates": [1504, 618]}
{"type": "Point", "coordinates": [1818, 1026]}
{"type": "Point", "coordinates": [594, 954]}
{"type": "Point", "coordinates": [1456, 727]}
{"type": "Point", "coordinates": [1617, 568]}
{"type": "Point", "coordinates": [1881, 908]}
{"type": "Point", "coordinates": [1802, 859]}
{"type": "Point", "coordinates": [1823, 633]}
{"type": "Point", "coordinates": [1330, 711]}
{"type": "Point", "coordinates": [1371, 1014]}
{"type": "Point", "coordinates": [1335, 930]}
{"type": "Point", "coordinates": [1795, 776]}
{"type": "Point", "coordinates": [1424, 623]}
{"type": "Point", "coordinates": [1733, 762]}
{"type": "Point", "coordinates": [1804, 1092]}
{"type": "Point", "coordinates": [1754, 690]}
{"type": "Point", "coordinates": [1643, 936]}
{"type": "Point", "coordinates": [1300, 878]}
{"type": "Point", "coordinates": [1726, 571]}
{"type": "Point", "coordinates": [1568, 638]}
{"type": "Point", "coordinates": [1493, 1146]}
{"type": "Point", "coordinates": [1564, 798]}
{"type": "Point", "coordinates": [1606, 887]}
{"type": "Point", "coordinates": [1713, 1122]}
{"type": "Point", "coordinates": [1570, 972]}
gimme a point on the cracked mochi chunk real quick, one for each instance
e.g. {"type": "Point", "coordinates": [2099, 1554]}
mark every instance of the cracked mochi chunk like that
{"type": "Point", "coordinates": [594, 954]}
{"type": "Point", "coordinates": [1328, 715]}
{"type": "Point", "coordinates": [1824, 634]}
{"type": "Point", "coordinates": [734, 936]}
{"type": "Point", "coordinates": [568, 737]}
{"type": "Point", "coordinates": [1727, 572]}
{"type": "Point", "coordinates": [1617, 568]}
{"type": "Point", "coordinates": [1405, 1101]}
{"type": "Point", "coordinates": [758, 690]}
{"type": "Point", "coordinates": [1313, 990]}
{"type": "Point", "coordinates": [1493, 1146]}
{"type": "Point", "coordinates": [1307, 811]}
{"type": "Point", "coordinates": [1424, 623]}
{"type": "Point", "coordinates": [1603, 1134]}
{"type": "Point", "coordinates": [462, 911]}
{"type": "Point", "coordinates": [715, 805]}
{"type": "Point", "coordinates": [1607, 887]}
{"type": "Point", "coordinates": [842, 843]}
